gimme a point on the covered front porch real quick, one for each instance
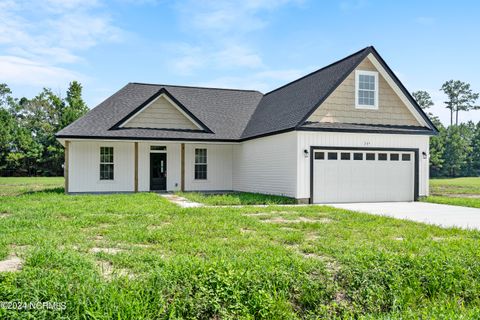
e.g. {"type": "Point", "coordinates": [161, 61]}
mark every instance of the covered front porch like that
{"type": "Point", "coordinates": [140, 166]}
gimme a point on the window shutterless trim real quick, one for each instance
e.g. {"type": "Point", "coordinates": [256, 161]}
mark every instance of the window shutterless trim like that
{"type": "Point", "coordinates": [358, 73]}
{"type": "Point", "coordinates": [107, 166]}
{"type": "Point", "coordinates": [197, 173]}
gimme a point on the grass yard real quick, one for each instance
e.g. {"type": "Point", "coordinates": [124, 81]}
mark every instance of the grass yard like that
{"type": "Point", "coordinates": [139, 257]}
{"type": "Point", "coordinates": [236, 198]}
{"type": "Point", "coordinates": [456, 191]}
{"type": "Point", "coordinates": [16, 186]}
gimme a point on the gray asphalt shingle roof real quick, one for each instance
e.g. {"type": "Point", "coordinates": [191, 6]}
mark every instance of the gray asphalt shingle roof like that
{"type": "Point", "coordinates": [230, 115]}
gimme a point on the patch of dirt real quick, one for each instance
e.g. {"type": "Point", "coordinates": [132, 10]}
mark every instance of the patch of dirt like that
{"type": "Point", "coordinates": [298, 220]}
{"type": "Point", "coordinates": [331, 264]}
{"type": "Point", "coordinates": [246, 230]}
{"type": "Point", "coordinates": [98, 237]}
{"type": "Point", "coordinates": [312, 236]}
{"type": "Point", "coordinates": [438, 239]}
{"type": "Point", "coordinates": [108, 271]}
{"type": "Point", "coordinates": [256, 214]}
{"type": "Point", "coordinates": [341, 297]}
{"type": "Point", "coordinates": [106, 250]}
{"type": "Point", "coordinates": [398, 238]}
{"type": "Point", "coordinates": [284, 212]}
{"type": "Point", "coordinates": [4, 215]}
{"type": "Point", "coordinates": [142, 245]}
{"type": "Point", "coordinates": [288, 229]}
{"type": "Point", "coordinates": [19, 247]}
{"type": "Point", "coordinates": [11, 264]}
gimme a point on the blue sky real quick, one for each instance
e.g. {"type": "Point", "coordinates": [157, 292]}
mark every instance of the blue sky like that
{"type": "Point", "coordinates": [251, 44]}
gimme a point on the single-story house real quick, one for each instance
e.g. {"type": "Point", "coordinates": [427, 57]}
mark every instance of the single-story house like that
{"type": "Point", "coordinates": [349, 132]}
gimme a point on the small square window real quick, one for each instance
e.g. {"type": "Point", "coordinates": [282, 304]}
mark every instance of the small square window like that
{"type": "Point", "coordinates": [358, 156]}
{"type": "Point", "coordinates": [319, 155]}
{"type": "Point", "coordinates": [406, 157]}
{"type": "Point", "coordinates": [370, 156]}
{"type": "Point", "coordinates": [332, 156]}
{"type": "Point", "coordinates": [345, 156]}
{"type": "Point", "coordinates": [382, 156]}
{"type": "Point", "coordinates": [394, 156]}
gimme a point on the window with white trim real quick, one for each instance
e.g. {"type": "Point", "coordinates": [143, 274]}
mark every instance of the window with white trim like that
{"type": "Point", "coordinates": [366, 89]}
{"type": "Point", "coordinates": [200, 164]}
{"type": "Point", "coordinates": [106, 163]}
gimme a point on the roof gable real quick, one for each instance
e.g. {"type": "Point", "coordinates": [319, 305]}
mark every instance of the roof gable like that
{"type": "Point", "coordinates": [340, 105]}
{"type": "Point", "coordinates": [289, 107]}
{"type": "Point", "coordinates": [162, 111]}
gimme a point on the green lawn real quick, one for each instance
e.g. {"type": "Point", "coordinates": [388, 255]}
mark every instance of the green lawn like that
{"type": "Point", "coordinates": [236, 198]}
{"type": "Point", "coordinates": [456, 191]}
{"type": "Point", "coordinates": [139, 257]}
{"type": "Point", "coordinates": [15, 186]}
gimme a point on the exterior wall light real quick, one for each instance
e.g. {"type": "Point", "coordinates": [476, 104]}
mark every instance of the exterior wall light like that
{"type": "Point", "coordinates": [424, 154]}
{"type": "Point", "coordinates": [305, 153]}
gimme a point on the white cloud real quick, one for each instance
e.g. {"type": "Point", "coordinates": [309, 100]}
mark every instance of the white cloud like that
{"type": "Point", "coordinates": [221, 30]}
{"type": "Point", "coordinates": [16, 70]}
{"type": "Point", "coordinates": [45, 36]}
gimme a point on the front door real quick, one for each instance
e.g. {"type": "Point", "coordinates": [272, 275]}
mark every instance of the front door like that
{"type": "Point", "coordinates": [158, 171]}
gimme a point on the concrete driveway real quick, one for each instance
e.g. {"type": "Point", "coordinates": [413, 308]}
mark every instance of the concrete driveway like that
{"type": "Point", "coordinates": [431, 213]}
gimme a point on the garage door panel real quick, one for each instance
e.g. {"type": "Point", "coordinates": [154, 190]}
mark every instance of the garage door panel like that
{"type": "Point", "coordinates": [363, 180]}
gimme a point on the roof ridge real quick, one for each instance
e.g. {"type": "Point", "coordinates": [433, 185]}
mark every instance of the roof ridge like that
{"type": "Point", "coordinates": [193, 87]}
{"type": "Point", "coordinates": [321, 69]}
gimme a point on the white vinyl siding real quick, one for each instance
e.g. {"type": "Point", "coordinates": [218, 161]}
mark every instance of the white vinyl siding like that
{"type": "Point", "coordinates": [84, 164]}
{"type": "Point", "coordinates": [266, 165]}
{"type": "Point", "coordinates": [219, 159]}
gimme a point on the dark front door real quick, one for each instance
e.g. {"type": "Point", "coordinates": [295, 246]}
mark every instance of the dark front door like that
{"type": "Point", "coordinates": [158, 171]}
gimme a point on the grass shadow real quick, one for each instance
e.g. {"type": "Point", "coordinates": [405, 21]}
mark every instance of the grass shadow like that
{"type": "Point", "coordinates": [57, 190]}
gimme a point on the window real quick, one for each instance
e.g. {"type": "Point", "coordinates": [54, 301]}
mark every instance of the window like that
{"type": "Point", "coordinates": [370, 156]}
{"type": "Point", "coordinates": [382, 156]}
{"type": "Point", "coordinates": [319, 155]}
{"type": "Point", "coordinates": [358, 156]}
{"type": "Point", "coordinates": [158, 148]}
{"type": "Point", "coordinates": [366, 89]}
{"type": "Point", "coordinates": [394, 156]}
{"type": "Point", "coordinates": [406, 157]}
{"type": "Point", "coordinates": [345, 156]}
{"type": "Point", "coordinates": [200, 164]}
{"type": "Point", "coordinates": [332, 156]}
{"type": "Point", "coordinates": [106, 163]}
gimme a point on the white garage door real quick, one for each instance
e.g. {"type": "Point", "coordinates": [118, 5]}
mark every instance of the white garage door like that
{"type": "Point", "coordinates": [363, 176]}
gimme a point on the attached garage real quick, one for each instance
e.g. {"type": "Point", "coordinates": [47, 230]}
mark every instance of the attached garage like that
{"type": "Point", "coordinates": [363, 175]}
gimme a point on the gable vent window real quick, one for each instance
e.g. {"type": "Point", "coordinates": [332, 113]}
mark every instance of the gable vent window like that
{"type": "Point", "coordinates": [106, 163]}
{"type": "Point", "coordinates": [200, 164]}
{"type": "Point", "coordinates": [366, 89]}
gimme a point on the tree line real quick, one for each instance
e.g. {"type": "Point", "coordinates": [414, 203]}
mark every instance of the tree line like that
{"type": "Point", "coordinates": [28, 146]}
{"type": "Point", "coordinates": [27, 130]}
{"type": "Point", "coordinates": [455, 151]}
